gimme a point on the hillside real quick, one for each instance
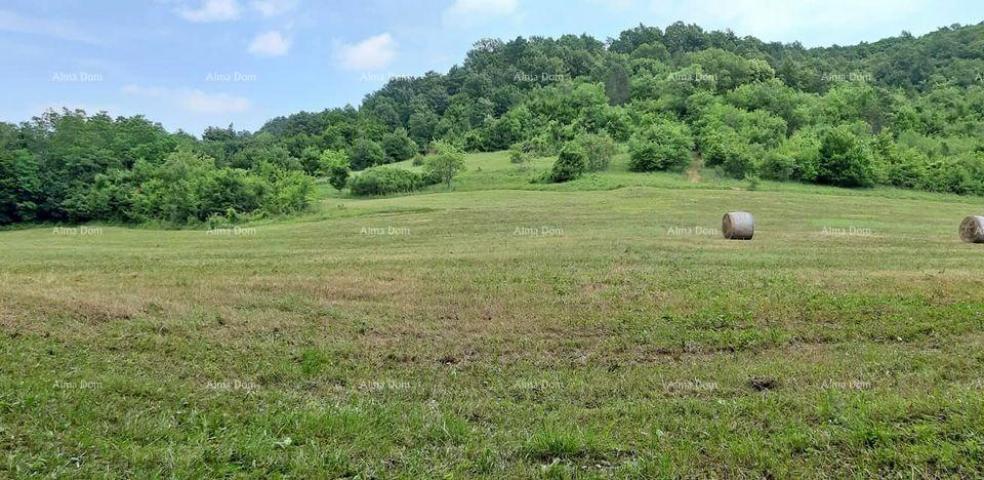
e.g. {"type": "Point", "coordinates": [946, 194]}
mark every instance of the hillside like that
{"type": "Point", "coordinates": [596, 328]}
{"type": "Point", "coordinates": [905, 112]}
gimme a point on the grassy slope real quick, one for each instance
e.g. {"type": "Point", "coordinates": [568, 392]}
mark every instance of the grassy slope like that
{"type": "Point", "coordinates": [612, 346]}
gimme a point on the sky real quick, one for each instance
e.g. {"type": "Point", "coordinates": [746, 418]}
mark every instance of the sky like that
{"type": "Point", "coordinates": [189, 64]}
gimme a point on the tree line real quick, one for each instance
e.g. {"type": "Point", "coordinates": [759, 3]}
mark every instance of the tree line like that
{"type": "Point", "coordinates": [904, 111]}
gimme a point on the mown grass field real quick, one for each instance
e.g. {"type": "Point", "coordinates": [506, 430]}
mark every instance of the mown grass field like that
{"type": "Point", "coordinates": [596, 329]}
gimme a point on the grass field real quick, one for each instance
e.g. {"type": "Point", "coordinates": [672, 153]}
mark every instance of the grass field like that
{"type": "Point", "coordinates": [596, 329]}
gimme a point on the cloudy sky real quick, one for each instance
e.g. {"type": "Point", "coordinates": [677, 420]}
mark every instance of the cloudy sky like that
{"type": "Point", "coordinates": [193, 63]}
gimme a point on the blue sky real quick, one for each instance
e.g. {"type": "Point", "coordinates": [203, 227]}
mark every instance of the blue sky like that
{"type": "Point", "coordinates": [193, 63]}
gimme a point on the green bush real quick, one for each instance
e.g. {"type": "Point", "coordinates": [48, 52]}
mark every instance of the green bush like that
{"type": "Point", "coordinates": [599, 148]}
{"type": "Point", "coordinates": [292, 192]}
{"type": "Point", "coordinates": [725, 149]}
{"type": "Point", "coordinates": [366, 153]}
{"type": "Point", "coordinates": [445, 164]}
{"type": "Point", "coordinates": [845, 159]}
{"type": "Point", "coordinates": [336, 166]}
{"type": "Point", "coordinates": [570, 164]}
{"type": "Point", "coordinates": [385, 181]}
{"type": "Point", "coordinates": [666, 145]}
{"type": "Point", "coordinates": [398, 146]}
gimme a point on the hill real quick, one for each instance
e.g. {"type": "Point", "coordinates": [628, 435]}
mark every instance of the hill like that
{"type": "Point", "coordinates": [905, 112]}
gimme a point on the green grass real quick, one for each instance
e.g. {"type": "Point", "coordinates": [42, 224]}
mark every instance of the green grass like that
{"type": "Point", "coordinates": [441, 335]}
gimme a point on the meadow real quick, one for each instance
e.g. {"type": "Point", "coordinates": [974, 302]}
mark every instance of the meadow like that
{"type": "Point", "coordinates": [599, 328]}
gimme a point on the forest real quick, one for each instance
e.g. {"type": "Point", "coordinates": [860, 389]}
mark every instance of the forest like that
{"type": "Point", "coordinates": [905, 111]}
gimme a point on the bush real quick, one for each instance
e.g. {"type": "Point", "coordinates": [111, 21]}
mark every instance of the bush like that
{"type": "Point", "coordinates": [336, 166]}
{"type": "Point", "coordinates": [570, 164]}
{"type": "Point", "coordinates": [292, 193]}
{"type": "Point", "coordinates": [724, 148]}
{"type": "Point", "coordinates": [518, 157]}
{"type": "Point", "coordinates": [538, 146]}
{"type": "Point", "coordinates": [779, 166]}
{"type": "Point", "coordinates": [798, 157]}
{"type": "Point", "coordinates": [598, 149]}
{"type": "Point", "coordinates": [385, 181]}
{"type": "Point", "coordinates": [666, 145]}
{"type": "Point", "coordinates": [445, 164]}
{"type": "Point", "coordinates": [398, 146]}
{"type": "Point", "coordinates": [366, 153]}
{"type": "Point", "coordinates": [907, 168]}
{"type": "Point", "coordinates": [845, 159]}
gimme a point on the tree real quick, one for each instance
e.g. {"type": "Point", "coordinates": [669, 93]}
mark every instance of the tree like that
{"type": "Point", "coordinates": [366, 153]}
{"type": "Point", "coordinates": [446, 163]}
{"type": "Point", "coordinates": [336, 166]}
{"type": "Point", "coordinates": [665, 145]}
{"type": "Point", "coordinates": [398, 146]}
{"type": "Point", "coordinates": [570, 164]}
{"type": "Point", "coordinates": [845, 159]}
{"type": "Point", "coordinates": [598, 149]}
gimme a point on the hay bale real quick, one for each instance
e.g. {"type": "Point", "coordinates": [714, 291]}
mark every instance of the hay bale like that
{"type": "Point", "coordinates": [972, 229]}
{"type": "Point", "coordinates": [738, 226]}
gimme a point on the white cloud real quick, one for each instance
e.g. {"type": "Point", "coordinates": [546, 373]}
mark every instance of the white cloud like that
{"type": "Point", "coordinates": [373, 53]}
{"type": "Point", "coordinates": [269, 44]}
{"type": "Point", "coordinates": [16, 23]}
{"type": "Point", "coordinates": [201, 102]}
{"type": "Point", "coordinates": [192, 100]}
{"type": "Point", "coordinates": [465, 12]}
{"type": "Point", "coordinates": [271, 8]}
{"type": "Point", "coordinates": [212, 11]}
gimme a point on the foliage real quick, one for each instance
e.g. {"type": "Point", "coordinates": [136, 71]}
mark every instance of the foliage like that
{"type": "Point", "coordinates": [663, 145]}
{"type": "Point", "coordinates": [903, 111]}
{"type": "Point", "coordinates": [571, 164]}
{"type": "Point", "coordinates": [385, 180]}
{"type": "Point", "coordinates": [336, 166]}
{"type": "Point", "coordinates": [599, 148]}
{"type": "Point", "coordinates": [845, 159]}
{"type": "Point", "coordinates": [445, 164]}
{"type": "Point", "coordinates": [398, 146]}
{"type": "Point", "coordinates": [366, 153]}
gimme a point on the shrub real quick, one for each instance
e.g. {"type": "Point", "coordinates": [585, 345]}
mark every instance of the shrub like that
{"type": "Point", "coordinates": [292, 192]}
{"type": "Point", "coordinates": [366, 153]}
{"type": "Point", "coordinates": [798, 158]}
{"type": "Point", "coordinates": [570, 164]}
{"type": "Point", "coordinates": [538, 146]}
{"type": "Point", "coordinates": [446, 164]}
{"type": "Point", "coordinates": [385, 181]}
{"type": "Point", "coordinates": [724, 148]}
{"type": "Point", "coordinates": [336, 166]}
{"type": "Point", "coordinates": [398, 146]}
{"type": "Point", "coordinates": [907, 168]}
{"type": "Point", "coordinates": [598, 149]}
{"type": "Point", "coordinates": [518, 156]}
{"type": "Point", "coordinates": [667, 145]}
{"type": "Point", "coordinates": [845, 159]}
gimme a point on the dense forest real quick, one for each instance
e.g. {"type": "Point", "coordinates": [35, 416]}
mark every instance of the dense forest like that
{"type": "Point", "coordinates": [904, 111]}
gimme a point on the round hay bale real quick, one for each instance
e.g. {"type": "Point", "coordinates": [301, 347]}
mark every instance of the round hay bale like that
{"type": "Point", "coordinates": [972, 229]}
{"type": "Point", "coordinates": [738, 226]}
